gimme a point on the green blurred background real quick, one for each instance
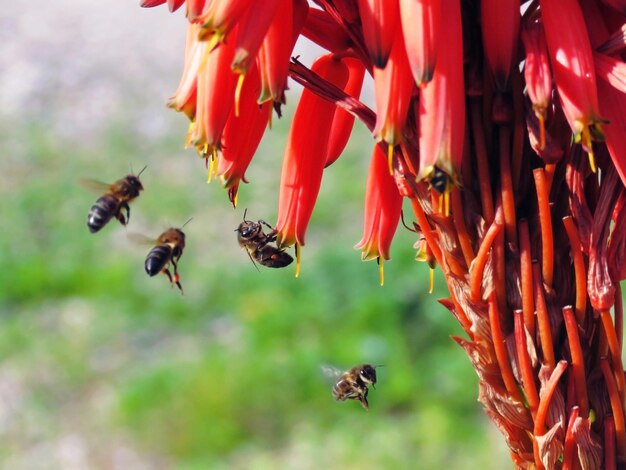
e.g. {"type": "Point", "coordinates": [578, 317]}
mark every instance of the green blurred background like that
{"type": "Point", "coordinates": [104, 367]}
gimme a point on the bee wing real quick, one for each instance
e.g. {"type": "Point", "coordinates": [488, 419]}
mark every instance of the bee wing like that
{"type": "Point", "coordinates": [331, 373]}
{"type": "Point", "coordinates": [94, 185]}
{"type": "Point", "coordinates": [141, 239]}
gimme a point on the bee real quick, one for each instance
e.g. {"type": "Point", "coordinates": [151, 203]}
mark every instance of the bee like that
{"type": "Point", "coordinates": [439, 180]}
{"type": "Point", "coordinates": [353, 383]}
{"type": "Point", "coordinates": [168, 248]}
{"type": "Point", "coordinates": [250, 236]}
{"type": "Point", "coordinates": [114, 202]}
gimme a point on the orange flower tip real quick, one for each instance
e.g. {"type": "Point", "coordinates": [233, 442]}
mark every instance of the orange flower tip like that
{"type": "Point", "coordinates": [298, 260]}
{"type": "Point", "coordinates": [390, 158]}
{"type": "Point", "coordinates": [432, 280]}
{"type": "Point", "coordinates": [381, 270]}
{"type": "Point", "coordinates": [238, 88]}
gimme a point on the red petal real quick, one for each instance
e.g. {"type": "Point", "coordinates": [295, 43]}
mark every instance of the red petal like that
{"type": "Point", "coordinates": [304, 158]}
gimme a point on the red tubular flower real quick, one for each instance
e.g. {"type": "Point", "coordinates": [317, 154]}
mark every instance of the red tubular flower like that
{"type": "Point", "coordinates": [383, 204]}
{"type": "Point", "coordinates": [573, 67]}
{"type": "Point", "coordinates": [500, 26]}
{"type": "Point", "coordinates": [194, 9]}
{"type": "Point", "coordinates": [276, 49]}
{"type": "Point", "coordinates": [323, 30]}
{"type": "Point", "coordinates": [304, 158]}
{"type": "Point", "coordinates": [442, 103]}
{"type": "Point", "coordinates": [185, 97]}
{"type": "Point", "coordinates": [617, 243]}
{"type": "Point", "coordinates": [242, 135]}
{"type": "Point", "coordinates": [611, 89]}
{"type": "Point", "coordinates": [216, 88]}
{"type": "Point", "coordinates": [342, 124]}
{"type": "Point", "coordinates": [537, 74]}
{"type": "Point", "coordinates": [220, 17]}
{"type": "Point", "coordinates": [421, 24]}
{"type": "Point", "coordinates": [600, 286]}
{"type": "Point", "coordinates": [173, 5]}
{"type": "Point", "coordinates": [380, 22]}
{"type": "Point", "coordinates": [393, 88]}
{"type": "Point", "coordinates": [252, 29]}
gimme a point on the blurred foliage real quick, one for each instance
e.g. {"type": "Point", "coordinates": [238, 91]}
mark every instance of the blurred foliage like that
{"type": "Point", "coordinates": [97, 356]}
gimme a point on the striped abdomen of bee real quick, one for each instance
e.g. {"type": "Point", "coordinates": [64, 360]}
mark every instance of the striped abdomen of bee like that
{"type": "Point", "coordinates": [102, 211]}
{"type": "Point", "coordinates": [169, 249]}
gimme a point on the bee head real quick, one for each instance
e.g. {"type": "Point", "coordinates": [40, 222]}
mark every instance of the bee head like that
{"type": "Point", "coordinates": [248, 229]}
{"type": "Point", "coordinates": [368, 374]}
{"type": "Point", "coordinates": [134, 185]}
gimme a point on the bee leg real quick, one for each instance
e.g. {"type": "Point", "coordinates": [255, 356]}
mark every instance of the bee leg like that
{"type": "Point", "coordinates": [176, 276]}
{"type": "Point", "coordinates": [363, 399]}
{"type": "Point", "coordinates": [364, 403]}
{"type": "Point", "coordinates": [271, 236]}
{"type": "Point", "coordinates": [120, 216]}
{"type": "Point", "coordinates": [168, 274]}
{"type": "Point", "coordinates": [261, 221]}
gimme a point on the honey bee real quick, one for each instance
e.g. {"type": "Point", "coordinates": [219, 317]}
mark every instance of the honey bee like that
{"type": "Point", "coordinates": [439, 180]}
{"type": "Point", "coordinates": [250, 236]}
{"type": "Point", "coordinates": [114, 202]}
{"type": "Point", "coordinates": [168, 248]}
{"type": "Point", "coordinates": [353, 383]}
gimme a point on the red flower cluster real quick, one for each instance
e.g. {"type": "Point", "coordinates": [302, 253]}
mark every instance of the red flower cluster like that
{"type": "Point", "coordinates": [505, 128]}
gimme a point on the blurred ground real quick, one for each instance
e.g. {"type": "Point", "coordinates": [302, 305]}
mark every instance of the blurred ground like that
{"type": "Point", "coordinates": [104, 367]}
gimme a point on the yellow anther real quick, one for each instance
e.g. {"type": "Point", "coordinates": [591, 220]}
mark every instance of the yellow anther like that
{"type": "Point", "coordinates": [240, 81]}
{"type": "Point", "coordinates": [432, 281]}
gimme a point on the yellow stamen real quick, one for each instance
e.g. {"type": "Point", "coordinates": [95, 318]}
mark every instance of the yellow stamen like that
{"type": "Point", "coordinates": [192, 124]}
{"type": "Point", "coordinates": [588, 146]}
{"type": "Point", "coordinates": [390, 158]}
{"type": "Point", "coordinates": [216, 160]}
{"type": "Point", "coordinates": [381, 271]}
{"type": "Point", "coordinates": [216, 38]}
{"type": "Point", "coordinates": [240, 80]}
{"type": "Point", "coordinates": [446, 202]}
{"type": "Point", "coordinates": [211, 166]}
{"type": "Point", "coordinates": [432, 281]}
{"type": "Point", "coordinates": [297, 259]}
{"type": "Point", "coordinates": [235, 199]}
{"type": "Point", "coordinates": [269, 122]}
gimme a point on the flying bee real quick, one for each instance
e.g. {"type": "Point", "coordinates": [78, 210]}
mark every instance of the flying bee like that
{"type": "Point", "coordinates": [353, 383]}
{"type": "Point", "coordinates": [250, 236]}
{"type": "Point", "coordinates": [168, 248]}
{"type": "Point", "coordinates": [114, 202]}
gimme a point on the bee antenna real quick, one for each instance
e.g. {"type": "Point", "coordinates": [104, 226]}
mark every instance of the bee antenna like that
{"type": "Point", "coordinates": [244, 214]}
{"type": "Point", "coordinates": [138, 174]}
{"type": "Point", "coordinates": [379, 365]}
{"type": "Point", "coordinates": [189, 220]}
